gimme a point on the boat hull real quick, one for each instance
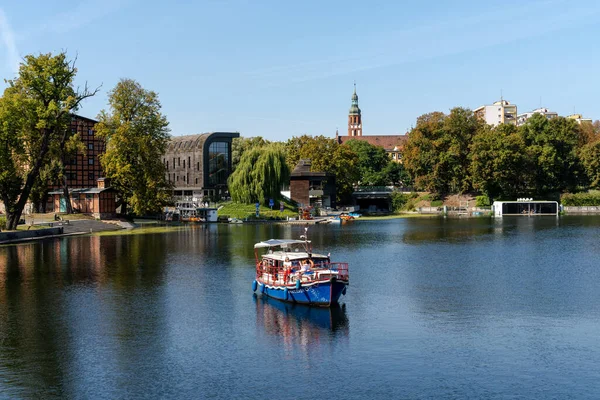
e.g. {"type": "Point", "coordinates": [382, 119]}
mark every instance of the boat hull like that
{"type": "Point", "coordinates": [323, 293]}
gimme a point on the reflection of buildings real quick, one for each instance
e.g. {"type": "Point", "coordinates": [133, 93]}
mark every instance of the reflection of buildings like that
{"type": "Point", "coordinates": [301, 325]}
{"type": "Point", "coordinates": [392, 144]}
{"type": "Point", "coordinates": [199, 165]}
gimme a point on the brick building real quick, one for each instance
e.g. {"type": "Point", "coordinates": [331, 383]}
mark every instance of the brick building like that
{"type": "Point", "coordinates": [199, 165]}
{"type": "Point", "coordinates": [312, 188]}
{"type": "Point", "coordinates": [84, 169]}
{"type": "Point", "coordinates": [393, 144]}
{"type": "Point", "coordinates": [85, 176]}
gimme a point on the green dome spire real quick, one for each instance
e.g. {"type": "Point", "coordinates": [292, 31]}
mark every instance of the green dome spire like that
{"type": "Point", "coordinates": [354, 110]}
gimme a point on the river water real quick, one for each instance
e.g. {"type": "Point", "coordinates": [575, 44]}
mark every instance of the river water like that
{"type": "Point", "coordinates": [436, 308]}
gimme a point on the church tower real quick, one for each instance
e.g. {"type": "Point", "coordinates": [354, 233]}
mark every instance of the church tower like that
{"type": "Point", "coordinates": [354, 117]}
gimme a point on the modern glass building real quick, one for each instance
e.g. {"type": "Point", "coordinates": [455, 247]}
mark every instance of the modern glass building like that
{"type": "Point", "coordinates": [199, 165]}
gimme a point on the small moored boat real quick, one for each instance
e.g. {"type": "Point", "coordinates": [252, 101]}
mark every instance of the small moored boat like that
{"type": "Point", "coordinates": [290, 271]}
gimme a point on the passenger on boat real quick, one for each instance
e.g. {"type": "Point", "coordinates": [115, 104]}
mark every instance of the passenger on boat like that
{"type": "Point", "coordinates": [287, 269]}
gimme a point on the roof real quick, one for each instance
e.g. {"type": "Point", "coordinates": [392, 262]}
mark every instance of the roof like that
{"type": "Point", "coordinates": [388, 142]}
{"type": "Point", "coordinates": [77, 116]}
{"type": "Point", "coordinates": [82, 191]}
{"type": "Point", "coordinates": [292, 256]}
{"type": "Point", "coordinates": [279, 243]}
{"type": "Point", "coordinates": [189, 142]}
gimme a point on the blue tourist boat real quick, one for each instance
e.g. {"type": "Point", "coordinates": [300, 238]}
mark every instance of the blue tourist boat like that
{"type": "Point", "coordinates": [290, 271]}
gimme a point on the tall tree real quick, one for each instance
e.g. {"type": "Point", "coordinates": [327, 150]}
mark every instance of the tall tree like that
{"type": "Point", "coordinates": [590, 159]}
{"type": "Point", "coordinates": [372, 161]}
{"type": "Point", "coordinates": [136, 135]}
{"type": "Point", "coordinates": [498, 162]}
{"type": "Point", "coordinates": [326, 155]}
{"type": "Point", "coordinates": [551, 147]}
{"type": "Point", "coordinates": [35, 112]}
{"type": "Point", "coordinates": [240, 145]}
{"type": "Point", "coordinates": [260, 175]}
{"type": "Point", "coordinates": [437, 152]}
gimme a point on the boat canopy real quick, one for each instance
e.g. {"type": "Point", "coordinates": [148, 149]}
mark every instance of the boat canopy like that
{"type": "Point", "coordinates": [279, 243]}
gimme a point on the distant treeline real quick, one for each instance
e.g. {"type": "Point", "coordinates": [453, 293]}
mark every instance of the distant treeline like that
{"type": "Point", "coordinates": [458, 153]}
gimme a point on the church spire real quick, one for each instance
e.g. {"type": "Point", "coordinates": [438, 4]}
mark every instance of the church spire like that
{"type": "Point", "coordinates": [354, 116]}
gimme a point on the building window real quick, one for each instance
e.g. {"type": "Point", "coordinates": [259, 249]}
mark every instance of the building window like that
{"type": "Point", "coordinates": [198, 166]}
{"type": "Point", "coordinates": [184, 163]}
{"type": "Point", "coordinates": [91, 161]}
{"type": "Point", "coordinates": [218, 163]}
{"type": "Point", "coordinates": [179, 161]}
{"type": "Point", "coordinates": [91, 176]}
{"type": "Point", "coordinates": [177, 178]}
{"type": "Point", "coordinates": [91, 132]}
{"type": "Point", "coordinates": [90, 146]}
{"type": "Point", "coordinates": [196, 181]}
{"type": "Point", "coordinates": [167, 165]}
{"type": "Point", "coordinates": [189, 162]}
{"type": "Point", "coordinates": [73, 161]}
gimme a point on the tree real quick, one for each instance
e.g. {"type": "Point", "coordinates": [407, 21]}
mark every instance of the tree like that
{"type": "Point", "coordinates": [551, 147]}
{"type": "Point", "coordinates": [590, 159]}
{"type": "Point", "coordinates": [35, 111]}
{"type": "Point", "coordinates": [395, 174]}
{"type": "Point", "coordinates": [240, 145]}
{"type": "Point", "coordinates": [498, 162]}
{"type": "Point", "coordinates": [136, 135]}
{"type": "Point", "coordinates": [326, 155]}
{"type": "Point", "coordinates": [437, 152]}
{"type": "Point", "coordinates": [372, 161]}
{"type": "Point", "coordinates": [261, 173]}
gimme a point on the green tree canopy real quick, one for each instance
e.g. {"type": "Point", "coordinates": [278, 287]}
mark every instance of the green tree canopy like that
{"type": "Point", "coordinates": [590, 158]}
{"type": "Point", "coordinates": [437, 152]}
{"type": "Point", "coordinates": [551, 147]}
{"type": "Point", "coordinates": [136, 136]}
{"type": "Point", "coordinates": [35, 112]}
{"type": "Point", "coordinates": [498, 162]}
{"type": "Point", "coordinates": [372, 163]}
{"type": "Point", "coordinates": [240, 145]}
{"type": "Point", "coordinates": [260, 175]}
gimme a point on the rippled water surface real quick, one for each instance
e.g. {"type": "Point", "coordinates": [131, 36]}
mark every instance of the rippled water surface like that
{"type": "Point", "coordinates": [437, 308]}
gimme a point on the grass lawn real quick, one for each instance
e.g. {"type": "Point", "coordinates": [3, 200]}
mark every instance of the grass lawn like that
{"type": "Point", "coordinates": [243, 211]}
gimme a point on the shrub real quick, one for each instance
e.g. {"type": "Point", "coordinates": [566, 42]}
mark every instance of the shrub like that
{"type": "Point", "coordinates": [581, 199]}
{"type": "Point", "coordinates": [2, 223]}
{"type": "Point", "coordinates": [437, 203]}
{"type": "Point", "coordinates": [399, 200]}
{"type": "Point", "coordinates": [482, 201]}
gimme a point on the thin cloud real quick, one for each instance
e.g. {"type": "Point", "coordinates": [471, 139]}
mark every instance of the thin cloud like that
{"type": "Point", "coordinates": [82, 15]}
{"type": "Point", "coordinates": [434, 40]}
{"type": "Point", "coordinates": [7, 36]}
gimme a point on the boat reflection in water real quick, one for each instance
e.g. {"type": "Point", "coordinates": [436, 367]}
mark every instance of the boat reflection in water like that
{"type": "Point", "coordinates": [301, 325]}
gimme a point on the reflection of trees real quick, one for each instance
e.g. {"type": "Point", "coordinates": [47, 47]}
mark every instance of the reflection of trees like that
{"type": "Point", "coordinates": [300, 325]}
{"type": "Point", "coordinates": [58, 309]}
{"type": "Point", "coordinates": [446, 230]}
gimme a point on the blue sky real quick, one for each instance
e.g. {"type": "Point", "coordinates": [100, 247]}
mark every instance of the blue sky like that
{"type": "Point", "coordinates": [280, 69]}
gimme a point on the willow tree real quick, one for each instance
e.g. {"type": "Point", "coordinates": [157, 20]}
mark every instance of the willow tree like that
{"type": "Point", "coordinates": [35, 112]}
{"type": "Point", "coordinates": [260, 175]}
{"type": "Point", "coordinates": [136, 136]}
